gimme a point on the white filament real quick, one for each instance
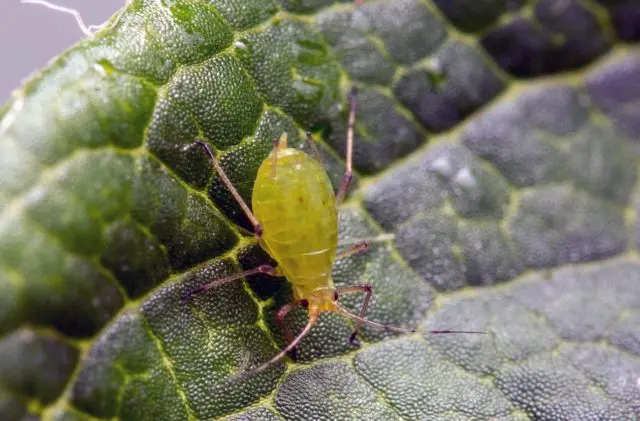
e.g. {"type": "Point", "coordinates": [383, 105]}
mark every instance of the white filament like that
{"type": "Point", "coordinates": [87, 30]}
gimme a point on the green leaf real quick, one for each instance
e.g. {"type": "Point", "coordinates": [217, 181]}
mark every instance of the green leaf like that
{"type": "Point", "coordinates": [496, 140]}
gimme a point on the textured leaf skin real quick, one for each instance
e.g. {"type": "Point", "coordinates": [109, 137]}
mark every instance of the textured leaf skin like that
{"type": "Point", "coordinates": [512, 196]}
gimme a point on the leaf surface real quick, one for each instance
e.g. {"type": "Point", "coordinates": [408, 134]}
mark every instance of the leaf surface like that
{"type": "Point", "coordinates": [498, 142]}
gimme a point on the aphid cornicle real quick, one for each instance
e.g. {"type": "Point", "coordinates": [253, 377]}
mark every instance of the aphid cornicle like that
{"type": "Point", "coordinates": [295, 220]}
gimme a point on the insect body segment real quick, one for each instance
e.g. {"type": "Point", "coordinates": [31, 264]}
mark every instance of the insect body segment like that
{"type": "Point", "coordinates": [294, 201]}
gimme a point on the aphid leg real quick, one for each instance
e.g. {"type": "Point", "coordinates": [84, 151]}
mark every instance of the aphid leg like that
{"type": "Point", "coordinates": [264, 269]}
{"type": "Point", "coordinates": [353, 249]}
{"type": "Point", "coordinates": [280, 315]}
{"type": "Point", "coordinates": [368, 290]}
{"type": "Point", "coordinates": [257, 227]}
{"type": "Point", "coordinates": [357, 246]}
{"type": "Point", "coordinates": [314, 149]}
{"type": "Point", "coordinates": [348, 174]}
{"type": "Point", "coordinates": [382, 238]}
{"type": "Point", "coordinates": [312, 320]}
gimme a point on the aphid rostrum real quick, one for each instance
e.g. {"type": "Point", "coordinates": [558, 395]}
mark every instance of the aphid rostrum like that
{"type": "Point", "coordinates": [295, 220]}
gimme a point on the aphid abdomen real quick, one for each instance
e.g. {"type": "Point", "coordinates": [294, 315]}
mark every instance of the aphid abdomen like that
{"type": "Point", "coordinates": [297, 209]}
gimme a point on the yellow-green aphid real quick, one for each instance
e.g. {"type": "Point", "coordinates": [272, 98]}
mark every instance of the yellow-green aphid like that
{"type": "Point", "coordinates": [295, 219]}
{"type": "Point", "coordinates": [294, 201]}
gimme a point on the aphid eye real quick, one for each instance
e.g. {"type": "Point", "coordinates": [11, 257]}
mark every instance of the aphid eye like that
{"type": "Point", "coordinates": [335, 295]}
{"type": "Point", "coordinates": [304, 303]}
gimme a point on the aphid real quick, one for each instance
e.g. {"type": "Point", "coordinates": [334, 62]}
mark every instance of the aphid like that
{"type": "Point", "coordinates": [295, 220]}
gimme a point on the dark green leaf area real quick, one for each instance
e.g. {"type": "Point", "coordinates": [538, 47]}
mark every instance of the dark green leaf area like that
{"type": "Point", "coordinates": [330, 391]}
{"type": "Point", "coordinates": [293, 69]}
{"type": "Point", "coordinates": [116, 110]}
{"type": "Point", "coordinates": [559, 224]}
{"type": "Point", "coordinates": [375, 39]}
{"type": "Point", "coordinates": [545, 379]}
{"type": "Point", "coordinates": [171, 33]}
{"type": "Point", "coordinates": [10, 407]}
{"type": "Point", "coordinates": [412, 201]}
{"type": "Point", "coordinates": [183, 221]}
{"type": "Point", "coordinates": [215, 102]}
{"type": "Point", "coordinates": [125, 350]}
{"type": "Point", "coordinates": [474, 15]}
{"type": "Point", "coordinates": [383, 143]}
{"type": "Point", "coordinates": [361, 56]}
{"type": "Point", "coordinates": [420, 384]}
{"type": "Point", "coordinates": [426, 243]}
{"type": "Point", "coordinates": [623, 333]}
{"type": "Point", "coordinates": [59, 283]}
{"type": "Point", "coordinates": [454, 83]}
{"type": "Point", "coordinates": [147, 356]}
{"type": "Point", "coordinates": [596, 362]}
{"type": "Point", "coordinates": [424, 191]}
{"type": "Point", "coordinates": [306, 6]}
{"type": "Point", "coordinates": [255, 414]}
{"type": "Point", "coordinates": [125, 239]}
{"type": "Point", "coordinates": [597, 299]}
{"type": "Point", "coordinates": [35, 366]}
{"type": "Point", "coordinates": [553, 39]}
{"type": "Point", "coordinates": [543, 346]}
{"type": "Point", "coordinates": [614, 91]}
{"type": "Point", "coordinates": [244, 15]}
{"type": "Point", "coordinates": [524, 138]}
{"type": "Point", "coordinates": [512, 333]}
{"type": "Point", "coordinates": [497, 205]}
{"type": "Point", "coordinates": [408, 29]}
{"type": "Point", "coordinates": [442, 172]}
{"type": "Point", "coordinates": [330, 337]}
{"type": "Point", "coordinates": [73, 210]}
{"type": "Point", "coordinates": [487, 254]}
{"type": "Point", "coordinates": [611, 173]}
{"type": "Point", "coordinates": [625, 18]}
{"type": "Point", "coordinates": [450, 255]}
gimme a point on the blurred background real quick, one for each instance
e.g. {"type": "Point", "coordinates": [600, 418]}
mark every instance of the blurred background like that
{"type": "Point", "coordinates": [31, 35]}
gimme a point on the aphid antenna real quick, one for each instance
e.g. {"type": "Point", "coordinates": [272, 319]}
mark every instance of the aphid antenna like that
{"type": "Point", "coordinates": [351, 124]}
{"type": "Point", "coordinates": [391, 328]}
{"type": "Point", "coordinates": [382, 238]}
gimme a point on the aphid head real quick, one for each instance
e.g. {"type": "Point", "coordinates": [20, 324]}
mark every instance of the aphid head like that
{"type": "Point", "coordinates": [322, 299]}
